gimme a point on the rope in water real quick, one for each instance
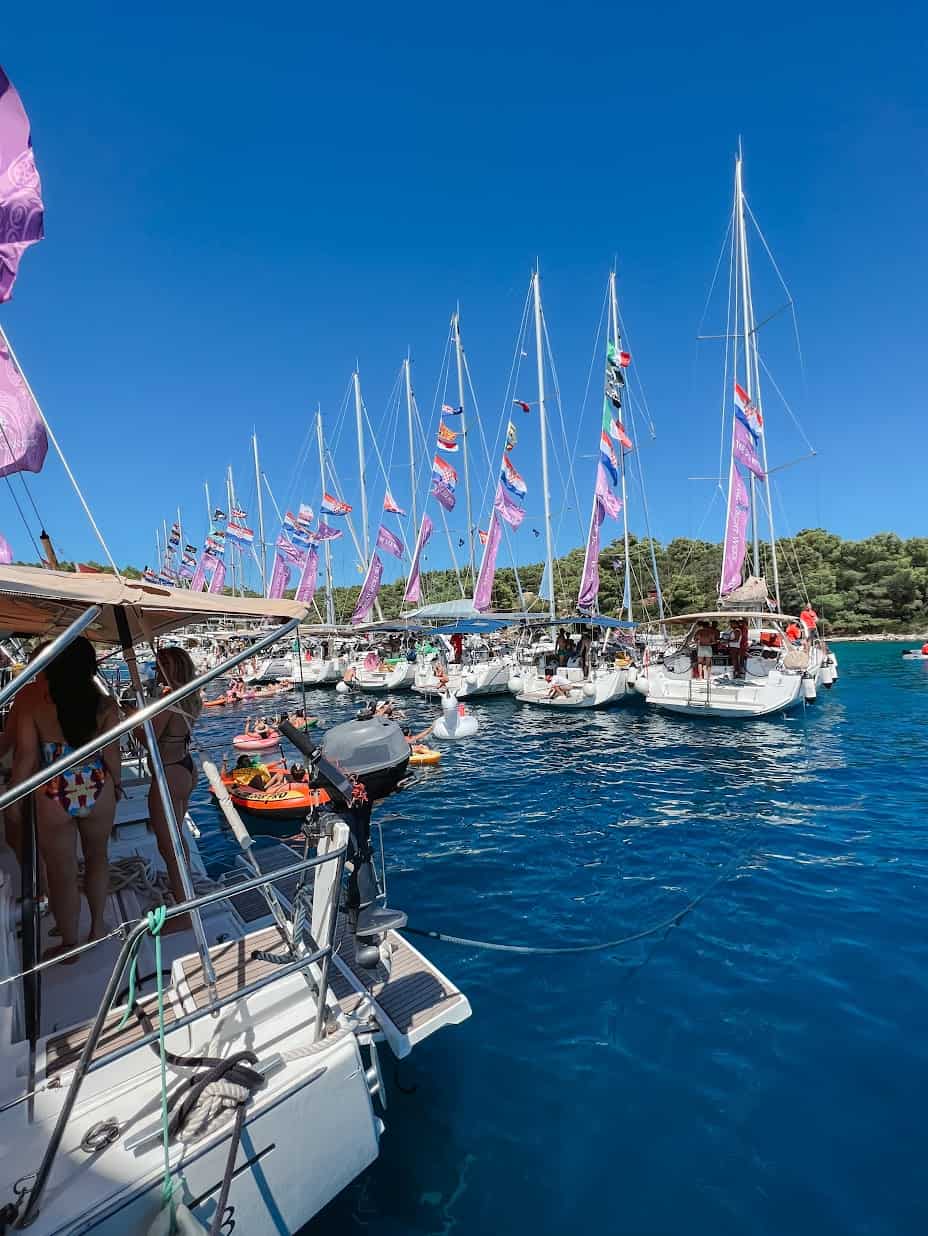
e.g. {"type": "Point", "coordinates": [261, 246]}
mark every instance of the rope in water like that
{"type": "Point", "coordinates": [550, 950]}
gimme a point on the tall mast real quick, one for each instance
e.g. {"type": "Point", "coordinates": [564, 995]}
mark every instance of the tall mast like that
{"type": "Point", "coordinates": [412, 445]}
{"type": "Point", "coordinates": [752, 378]}
{"type": "Point", "coordinates": [159, 564]}
{"type": "Point", "coordinates": [329, 596]}
{"type": "Point", "coordinates": [362, 468]}
{"type": "Point", "coordinates": [262, 544]}
{"type": "Point", "coordinates": [749, 384]}
{"type": "Point", "coordinates": [616, 340]}
{"type": "Point", "coordinates": [459, 355]}
{"type": "Point", "coordinates": [209, 507]}
{"type": "Point", "coordinates": [543, 429]}
{"type": "Point", "coordinates": [230, 498]}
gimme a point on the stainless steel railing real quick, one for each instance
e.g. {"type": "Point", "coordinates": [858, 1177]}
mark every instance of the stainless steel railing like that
{"type": "Point", "coordinates": [87, 1064]}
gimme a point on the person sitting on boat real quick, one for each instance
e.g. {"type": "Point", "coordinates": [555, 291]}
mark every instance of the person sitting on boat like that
{"type": "Point", "coordinates": [705, 639]}
{"type": "Point", "coordinates": [793, 633]}
{"type": "Point", "coordinates": [441, 675]}
{"type": "Point", "coordinates": [257, 727]}
{"type": "Point", "coordinates": [298, 773]}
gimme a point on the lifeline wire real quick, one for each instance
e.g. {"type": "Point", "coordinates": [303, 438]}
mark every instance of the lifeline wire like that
{"type": "Point", "coordinates": [529, 950]}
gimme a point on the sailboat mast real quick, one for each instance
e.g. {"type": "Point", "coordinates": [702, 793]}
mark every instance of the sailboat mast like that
{"type": "Point", "coordinates": [329, 596]}
{"type": "Point", "coordinates": [230, 499]}
{"type": "Point", "coordinates": [262, 544]}
{"type": "Point", "coordinates": [543, 429]}
{"type": "Point", "coordinates": [412, 444]}
{"type": "Point", "coordinates": [749, 384]}
{"type": "Point", "coordinates": [617, 343]}
{"type": "Point", "coordinates": [752, 374]}
{"type": "Point", "coordinates": [459, 355]}
{"type": "Point", "coordinates": [209, 507]}
{"type": "Point", "coordinates": [362, 468]}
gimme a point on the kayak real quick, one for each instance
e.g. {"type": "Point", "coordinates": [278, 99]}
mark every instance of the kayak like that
{"type": "Point", "coordinates": [252, 742]}
{"type": "Point", "coordinates": [915, 654]}
{"type": "Point", "coordinates": [424, 758]}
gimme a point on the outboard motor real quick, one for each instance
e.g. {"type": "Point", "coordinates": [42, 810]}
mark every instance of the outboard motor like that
{"type": "Point", "coordinates": [357, 762]}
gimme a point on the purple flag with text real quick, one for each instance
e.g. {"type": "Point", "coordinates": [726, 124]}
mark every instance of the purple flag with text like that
{"type": "Point", "coordinates": [388, 541]}
{"type": "Point", "coordinates": [306, 588]}
{"type": "Point", "coordinates": [207, 562]}
{"type": "Point", "coordinates": [413, 591]}
{"type": "Point", "coordinates": [21, 210]}
{"type": "Point", "coordinates": [736, 527]}
{"type": "Point", "coordinates": [369, 589]}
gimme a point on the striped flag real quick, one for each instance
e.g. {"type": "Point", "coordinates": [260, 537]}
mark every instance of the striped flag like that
{"type": "Point", "coordinates": [511, 479]}
{"type": "Point", "coordinates": [448, 410]}
{"type": "Point", "coordinates": [239, 533]}
{"type": "Point", "coordinates": [334, 506]}
{"type": "Point", "coordinates": [390, 505]}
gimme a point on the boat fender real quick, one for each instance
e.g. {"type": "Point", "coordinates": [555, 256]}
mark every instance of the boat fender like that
{"type": "Point", "coordinates": [631, 675]}
{"type": "Point", "coordinates": [342, 688]}
{"type": "Point", "coordinates": [589, 690]}
{"type": "Point", "coordinates": [642, 686]}
{"type": "Point", "coordinates": [515, 684]}
{"type": "Point", "coordinates": [808, 689]}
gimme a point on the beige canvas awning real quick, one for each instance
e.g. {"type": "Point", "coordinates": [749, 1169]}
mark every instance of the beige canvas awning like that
{"type": "Point", "coordinates": [34, 601]}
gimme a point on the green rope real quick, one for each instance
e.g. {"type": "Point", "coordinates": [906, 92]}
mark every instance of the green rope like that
{"type": "Point", "coordinates": [155, 920]}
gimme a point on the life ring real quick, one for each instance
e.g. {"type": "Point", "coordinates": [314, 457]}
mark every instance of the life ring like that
{"type": "Point", "coordinates": [292, 800]}
{"type": "Point", "coordinates": [251, 742]}
{"type": "Point", "coordinates": [424, 758]}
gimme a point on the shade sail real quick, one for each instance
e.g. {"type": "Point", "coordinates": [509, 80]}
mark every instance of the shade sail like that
{"type": "Point", "coordinates": [34, 601]}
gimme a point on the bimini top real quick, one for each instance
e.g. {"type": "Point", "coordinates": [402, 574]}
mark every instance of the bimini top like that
{"type": "Point", "coordinates": [594, 620]}
{"type": "Point", "coordinates": [724, 615]}
{"type": "Point", "coordinates": [34, 601]}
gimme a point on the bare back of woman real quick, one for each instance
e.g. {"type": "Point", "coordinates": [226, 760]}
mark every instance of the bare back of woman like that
{"type": "Point", "coordinates": [80, 802]}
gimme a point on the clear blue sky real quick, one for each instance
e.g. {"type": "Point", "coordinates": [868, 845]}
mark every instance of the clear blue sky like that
{"type": "Point", "coordinates": [241, 201]}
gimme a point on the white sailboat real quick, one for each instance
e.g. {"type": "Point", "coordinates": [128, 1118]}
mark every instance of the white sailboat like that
{"type": "Point", "coordinates": [776, 661]}
{"type": "Point", "coordinates": [274, 1006]}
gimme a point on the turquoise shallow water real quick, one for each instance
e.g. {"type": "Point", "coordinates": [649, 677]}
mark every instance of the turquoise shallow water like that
{"type": "Point", "coordinates": [761, 1067]}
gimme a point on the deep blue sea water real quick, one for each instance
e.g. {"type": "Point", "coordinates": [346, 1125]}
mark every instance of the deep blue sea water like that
{"type": "Point", "coordinates": [760, 1068]}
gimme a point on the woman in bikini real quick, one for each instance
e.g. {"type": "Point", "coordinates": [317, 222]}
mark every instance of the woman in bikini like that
{"type": "Point", "coordinates": [173, 728]}
{"type": "Point", "coordinates": [62, 714]}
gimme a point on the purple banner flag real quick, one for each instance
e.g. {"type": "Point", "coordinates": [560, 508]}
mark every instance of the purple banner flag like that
{"type": "Point", "coordinates": [207, 561]}
{"type": "Point", "coordinates": [442, 494]}
{"type": "Point", "coordinates": [604, 503]}
{"type": "Point", "coordinates": [325, 532]}
{"type": "Point", "coordinates": [507, 508]}
{"type": "Point", "coordinates": [413, 593]}
{"type": "Point", "coordinates": [392, 544]}
{"type": "Point", "coordinates": [743, 449]}
{"type": "Point", "coordinates": [306, 588]}
{"type": "Point", "coordinates": [6, 553]}
{"type": "Point", "coordinates": [280, 578]}
{"type": "Point", "coordinates": [21, 210]}
{"type": "Point", "coordinates": [736, 527]}
{"type": "Point", "coordinates": [369, 589]}
{"type": "Point", "coordinates": [291, 554]}
{"type": "Point", "coordinates": [218, 582]}
{"type": "Point", "coordinates": [483, 592]}
{"type": "Point", "coordinates": [23, 441]}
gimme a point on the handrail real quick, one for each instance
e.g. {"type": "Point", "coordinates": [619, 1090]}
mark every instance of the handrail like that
{"type": "Point", "coordinates": [38, 779]}
{"type": "Point", "coordinates": [86, 1063]}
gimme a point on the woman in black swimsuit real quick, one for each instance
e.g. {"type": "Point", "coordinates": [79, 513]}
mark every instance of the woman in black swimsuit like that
{"type": "Point", "coordinates": [173, 728]}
